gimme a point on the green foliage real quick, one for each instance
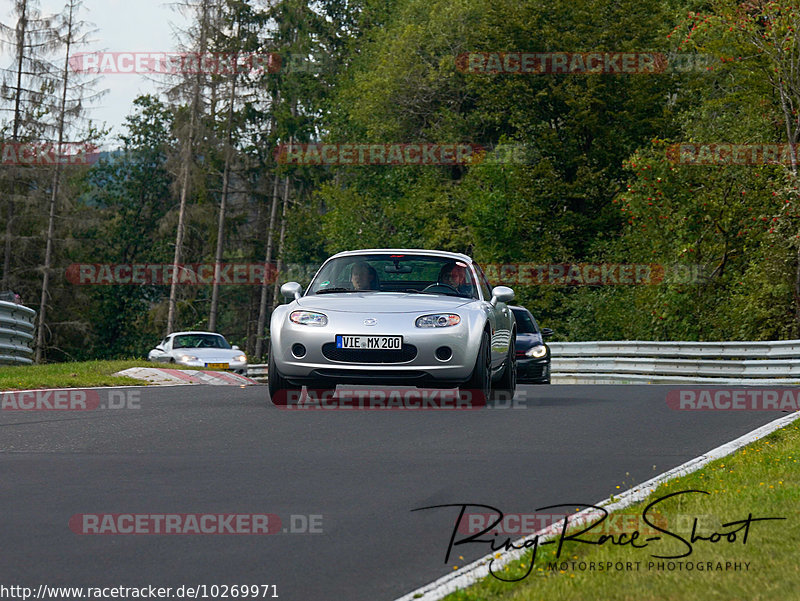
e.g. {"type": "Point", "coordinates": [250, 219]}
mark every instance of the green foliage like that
{"type": "Point", "coordinates": [129, 196]}
{"type": "Point", "coordinates": [599, 178]}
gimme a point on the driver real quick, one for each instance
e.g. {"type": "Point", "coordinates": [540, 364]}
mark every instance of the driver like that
{"type": "Point", "coordinates": [364, 277]}
{"type": "Point", "coordinates": [455, 276]}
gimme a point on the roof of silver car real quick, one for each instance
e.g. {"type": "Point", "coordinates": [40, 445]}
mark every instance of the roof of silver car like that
{"type": "Point", "coordinates": [404, 251]}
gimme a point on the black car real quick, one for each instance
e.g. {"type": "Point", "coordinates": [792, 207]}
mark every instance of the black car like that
{"type": "Point", "coordinates": [533, 355]}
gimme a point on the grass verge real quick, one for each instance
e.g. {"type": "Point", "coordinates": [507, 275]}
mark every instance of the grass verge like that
{"type": "Point", "coordinates": [762, 479]}
{"type": "Point", "coordinates": [83, 374]}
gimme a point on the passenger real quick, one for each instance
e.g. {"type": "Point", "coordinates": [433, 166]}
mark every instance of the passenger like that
{"type": "Point", "coordinates": [364, 277]}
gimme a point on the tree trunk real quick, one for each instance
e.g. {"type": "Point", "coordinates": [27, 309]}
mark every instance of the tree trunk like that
{"type": "Point", "coordinates": [22, 24]}
{"type": "Point", "coordinates": [48, 253]}
{"type": "Point", "coordinates": [7, 245]}
{"type": "Point", "coordinates": [187, 159]}
{"type": "Point", "coordinates": [212, 318]}
{"type": "Point", "coordinates": [279, 267]}
{"type": "Point", "coordinates": [262, 307]}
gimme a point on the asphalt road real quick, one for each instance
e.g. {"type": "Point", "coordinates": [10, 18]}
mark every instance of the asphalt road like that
{"type": "Point", "coordinates": [207, 449]}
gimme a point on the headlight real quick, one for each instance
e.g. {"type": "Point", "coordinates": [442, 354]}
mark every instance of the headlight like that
{"type": "Point", "coordinates": [241, 358]}
{"type": "Point", "coordinates": [438, 320]}
{"type": "Point", "coordinates": [188, 358]}
{"type": "Point", "coordinates": [308, 318]}
{"type": "Point", "coordinates": [537, 351]}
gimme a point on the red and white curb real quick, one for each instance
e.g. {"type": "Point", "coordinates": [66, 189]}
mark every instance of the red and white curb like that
{"type": "Point", "coordinates": [158, 375]}
{"type": "Point", "coordinates": [472, 573]}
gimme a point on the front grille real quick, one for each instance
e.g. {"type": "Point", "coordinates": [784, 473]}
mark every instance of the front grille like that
{"type": "Point", "coordinates": [344, 376]}
{"type": "Point", "coordinates": [534, 370]}
{"type": "Point", "coordinates": [347, 355]}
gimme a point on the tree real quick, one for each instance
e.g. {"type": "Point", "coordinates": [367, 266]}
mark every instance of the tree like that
{"type": "Point", "coordinates": [70, 105]}
{"type": "Point", "coordinates": [25, 86]}
{"type": "Point", "coordinates": [237, 37]}
{"type": "Point", "coordinates": [190, 120]}
{"type": "Point", "coordinates": [125, 201]}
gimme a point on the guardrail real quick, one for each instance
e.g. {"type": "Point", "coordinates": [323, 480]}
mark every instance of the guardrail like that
{"type": "Point", "coordinates": [16, 333]}
{"type": "Point", "coordinates": [647, 362]}
{"type": "Point", "coordinates": [636, 361]}
{"type": "Point", "coordinates": [257, 372]}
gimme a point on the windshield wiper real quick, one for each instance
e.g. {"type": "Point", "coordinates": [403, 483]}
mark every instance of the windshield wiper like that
{"type": "Point", "coordinates": [457, 294]}
{"type": "Point", "coordinates": [327, 290]}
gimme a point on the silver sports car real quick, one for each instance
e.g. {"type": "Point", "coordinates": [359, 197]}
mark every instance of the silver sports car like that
{"type": "Point", "coordinates": [394, 317]}
{"type": "Point", "coordinates": [199, 349]}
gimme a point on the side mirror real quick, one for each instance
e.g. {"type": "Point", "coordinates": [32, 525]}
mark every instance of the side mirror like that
{"type": "Point", "coordinates": [547, 332]}
{"type": "Point", "coordinates": [235, 347]}
{"type": "Point", "coordinates": [292, 290]}
{"type": "Point", "coordinates": [502, 294]}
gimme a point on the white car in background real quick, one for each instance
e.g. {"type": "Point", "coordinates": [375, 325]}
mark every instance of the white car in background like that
{"type": "Point", "coordinates": [199, 349]}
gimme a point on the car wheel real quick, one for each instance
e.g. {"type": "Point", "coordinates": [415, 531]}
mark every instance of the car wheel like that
{"type": "Point", "coordinates": [504, 389]}
{"type": "Point", "coordinates": [278, 385]}
{"type": "Point", "coordinates": [480, 383]}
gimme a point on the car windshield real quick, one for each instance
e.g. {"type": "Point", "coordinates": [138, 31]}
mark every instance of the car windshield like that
{"type": "Point", "coordinates": [200, 341]}
{"type": "Point", "coordinates": [525, 324]}
{"type": "Point", "coordinates": [419, 274]}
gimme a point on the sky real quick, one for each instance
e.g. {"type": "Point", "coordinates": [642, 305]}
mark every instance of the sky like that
{"type": "Point", "coordinates": [122, 26]}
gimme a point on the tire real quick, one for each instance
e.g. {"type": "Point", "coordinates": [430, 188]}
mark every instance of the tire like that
{"type": "Point", "coordinates": [505, 387]}
{"type": "Point", "coordinates": [278, 385]}
{"type": "Point", "coordinates": [480, 382]}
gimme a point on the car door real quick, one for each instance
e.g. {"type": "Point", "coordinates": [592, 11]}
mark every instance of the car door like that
{"type": "Point", "coordinates": [505, 323]}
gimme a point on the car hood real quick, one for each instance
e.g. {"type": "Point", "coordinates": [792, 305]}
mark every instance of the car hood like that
{"type": "Point", "coordinates": [382, 302]}
{"type": "Point", "coordinates": [526, 341]}
{"type": "Point", "coordinates": [208, 354]}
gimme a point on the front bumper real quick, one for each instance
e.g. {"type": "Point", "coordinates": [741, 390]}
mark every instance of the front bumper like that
{"type": "Point", "coordinates": [239, 367]}
{"type": "Point", "coordinates": [533, 371]}
{"type": "Point", "coordinates": [423, 369]}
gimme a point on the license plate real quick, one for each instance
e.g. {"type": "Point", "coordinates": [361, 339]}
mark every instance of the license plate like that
{"type": "Point", "coordinates": [217, 365]}
{"type": "Point", "coordinates": [394, 343]}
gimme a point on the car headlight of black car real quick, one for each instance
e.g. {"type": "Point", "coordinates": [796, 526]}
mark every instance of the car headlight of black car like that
{"type": "Point", "coordinates": [537, 352]}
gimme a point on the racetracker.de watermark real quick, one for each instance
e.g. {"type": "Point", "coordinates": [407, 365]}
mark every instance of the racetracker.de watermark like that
{"type": "Point", "coordinates": [194, 523]}
{"type": "Point", "coordinates": [523, 524]}
{"type": "Point", "coordinates": [722, 154]}
{"type": "Point", "coordinates": [339, 154]}
{"type": "Point", "coordinates": [44, 154]}
{"type": "Point", "coordinates": [175, 523]}
{"type": "Point", "coordinates": [583, 63]}
{"type": "Point", "coordinates": [511, 274]}
{"type": "Point", "coordinates": [69, 399]}
{"type": "Point", "coordinates": [591, 274]}
{"type": "Point", "coordinates": [734, 399]}
{"type": "Point", "coordinates": [188, 63]}
{"type": "Point", "coordinates": [197, 274]}
{"type": "Point", "coordinates": [400, 398]}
